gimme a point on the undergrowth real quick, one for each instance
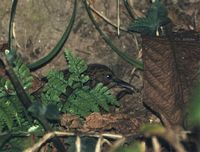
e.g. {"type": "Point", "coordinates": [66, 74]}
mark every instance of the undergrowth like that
{"type": "Point", "coordinates": [11, 109]}
{"type": "Point", "coordinates": [70, 95]}
{"type": "Point", "coordinates": [76, 96]}
{"type": "Point", "coordinates": [80, 100]}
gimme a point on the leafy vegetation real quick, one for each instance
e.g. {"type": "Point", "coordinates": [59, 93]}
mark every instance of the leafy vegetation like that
{"type": "Point", "coordinates": [11, 109]}
{"type": "Point", "coordinates": [151, 23]}
{"type": "Point", "coordinates": [82, 99]}
{"type": "Point", "coordinates": [85, 100]}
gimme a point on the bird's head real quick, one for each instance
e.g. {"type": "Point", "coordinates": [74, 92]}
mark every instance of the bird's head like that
{"type": "Point", "coordinates": [101, 73]}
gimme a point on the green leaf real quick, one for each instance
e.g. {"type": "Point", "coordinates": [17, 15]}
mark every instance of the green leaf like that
{"type": "Point", "coordinates": [76, 68]}
{"type": "Point", "coordinates": [156, 17]}
{"type": "Point", "coordinates": [23, 72]}
{"type": "Point", "coordinates": [81, 99]}
{"type": "Point", "coordinates": [54, 88]}
{"type": "Point", "coordinates": [153, 129]}
{"type": "Point", "coordinates": [85, 100]}
{"type": "Point", "coordinates": [10, 107]}
{"type": "Point", "coordinates": [135, 147]}
{"type": "Point", "coordinates": [194, 109]}
{"type": "Point", "coordinates": [5, 116]}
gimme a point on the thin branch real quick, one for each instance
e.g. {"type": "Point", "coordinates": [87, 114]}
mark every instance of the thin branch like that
{"type": "Point", "coordinates": [54, 134]}
{"type": "Point", "coordinates": [106, 19]}
{"type": "Point", "coordinates": [118, 19]}
{"type": "Point", "coordinates": [107, 39]}
{"type": "Point", "coordinates": [156, 144]}
{"type": "Point", "coordinates": [78, 144]}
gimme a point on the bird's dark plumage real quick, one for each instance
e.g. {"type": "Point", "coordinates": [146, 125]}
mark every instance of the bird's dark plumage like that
{"type": "Point", "coordinates": [101, 73]}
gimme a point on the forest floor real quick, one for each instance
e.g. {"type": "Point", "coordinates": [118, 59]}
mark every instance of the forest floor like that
{"type": "Point", "coordinates": [39, 24]}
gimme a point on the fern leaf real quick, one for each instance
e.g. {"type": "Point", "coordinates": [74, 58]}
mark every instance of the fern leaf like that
{"type": "Point", "coordinates": [5, 116]}
{"type": "Point", "coordinates": [103, 96]}
{"type": "Point", "coordinates": [23, 73]}
{"type": "Point", "coordinates": [84, 100]}
{"type": "Point", "coordinates": [11, 108]}
{"type": "Point", "coordinates": [12, 112]}
{"type": "Point", "coordinates": [76, 68]}
{"type": "Point", "coordinates": [6, 111]}
{"type": "Point", "coordinates": [54, 88]}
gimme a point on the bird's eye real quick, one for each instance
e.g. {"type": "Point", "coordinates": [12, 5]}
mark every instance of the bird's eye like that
{"type": "Point", "coordinates": [108, 76]}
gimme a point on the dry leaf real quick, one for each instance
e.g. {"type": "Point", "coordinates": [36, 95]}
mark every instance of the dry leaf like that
{"type": "Point", "coordinates": [70, 121]}
{"type": "Point", "coordinates": [170, 70]}
{"type": "Point", "coordinates": [120, 123]}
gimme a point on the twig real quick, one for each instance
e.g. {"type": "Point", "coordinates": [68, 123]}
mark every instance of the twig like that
{"type": "Point", "coordinates": [128, 8]}
{"type": "Point", "coordinates": [117, 144]}
{"type": "Point", "coordinates": [54, 134]}
{"type": "Point", "coordinates": [171, 136]}
{"type": "Point", "coordinates": [98, 145]}
{"type": "Point", "coordinates": [106, 19]}
{"type": "Point", "coordinates": [118, 19]}
{"type": "Point", "coordinates": [14, 35]}
{"type": "Point", "coordinates": [78, 144]}
{"type": "Point", "coordinates": [45, 138]}
{"type": "Point", "coordinates": [156, 145]}
{"type": "Point", "coordinates": [107, 39]}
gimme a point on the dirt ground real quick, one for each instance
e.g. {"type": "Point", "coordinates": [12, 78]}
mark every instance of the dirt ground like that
{"type": "Point", "coordinates": [40, 23]}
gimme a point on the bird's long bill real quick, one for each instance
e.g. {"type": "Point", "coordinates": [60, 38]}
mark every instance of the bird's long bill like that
{"type": "Point", "coordinates": [125, 85]}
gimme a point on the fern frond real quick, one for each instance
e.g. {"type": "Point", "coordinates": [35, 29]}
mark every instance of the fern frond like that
{"type": "Point", "coordinates": [85, 100]}
{"type": "Point", "coordinates": [103, 97]}
{"type": "Point", "coordinates": [54, 88]}
{"type": "Point", "coordinates": [76, 68]}
{"type": "Point", "coordinates": [81, 103]}
{"type": "Point", "coordinates": [76, 65]}
{"type": "Point", "coordinates": [11, 108]}
{"type": "Point", "coordinates": [6, 118]}
{"type": "Point", "coordinates": [12, 112]}
{"type": "Point", "coordinates": [6, 111]}
{"type": "Point", "coordinates": [23, 73]}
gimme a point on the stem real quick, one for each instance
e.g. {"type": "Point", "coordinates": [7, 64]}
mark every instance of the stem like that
{"type": "Point", "coordinates": [127, 58]}
{"type": "Point", "coordinates": [41, 62]}
{"type": "Point", "coordinates": [12, 16]}
{"type": "Point", "coordinates": [128, 8]}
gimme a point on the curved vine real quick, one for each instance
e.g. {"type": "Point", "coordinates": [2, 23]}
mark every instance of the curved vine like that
{"type": "Point", "coordinates": [128, 8]}
{"type": "Point", "coordinates": [12, 16]}
{"type": "Point", "coordinates": [59, 45]}
{"type": "Point", "coordinates": [138, 64]}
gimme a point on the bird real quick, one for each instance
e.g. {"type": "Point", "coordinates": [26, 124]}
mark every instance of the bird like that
{"type": "Point", "coordinates": [100, 73]}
